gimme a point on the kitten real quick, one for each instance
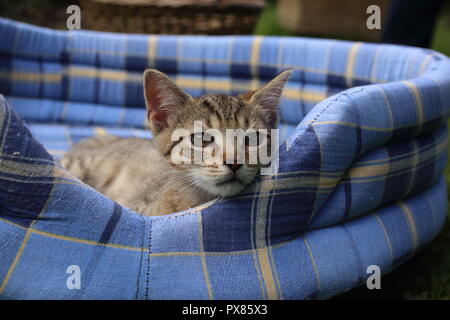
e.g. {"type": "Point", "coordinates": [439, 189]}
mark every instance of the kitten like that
{"type": "Point", "coordinates": [142, 174]}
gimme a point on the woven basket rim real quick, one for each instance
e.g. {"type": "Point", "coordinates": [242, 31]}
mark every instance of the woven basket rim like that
{"type": "Point", "coordinates": [183, 3]}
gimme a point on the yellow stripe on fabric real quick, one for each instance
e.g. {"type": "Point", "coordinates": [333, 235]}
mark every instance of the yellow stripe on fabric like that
{"type": "Point", "coordinates": [23, 244]}
{"type": "Point", "coordinates": [380, 177]}
{"type": "Point", "coordinates": [411, 223]}
{"type": "Point", "coordinates": [397, 168]}
{"type": "Point", "coordinates": [45, 169]}
{"type": "Point", "coordinates": [388, 107]}
{"type": "Point", "coordinates": [352, 125]}
{"type": "Point", "coordinates": [269, 248]}
{"type": "Point", "coordinates": [266, 270]}
{"type": "Point", "coordinates": [122, 76]}
{"type": "Point", "coordinates": [214, 253]}
{"type": "Point", "coordinates": [83, 241]}
{"type": "Point", "coordinates": [424, 64]}
{"type": "Point", "coordinates": [360, 174]}
{"type": "Point", "coordinates": [72, 239]}
{"type": "Point", "coordinates": [301, 182]}
{"type": "Point", "coordinates": [218, 85]}
{"type": "Point", "coordinates": [15, 261]}
{"type": "Point", "coordinates": [57, 173]}
{"type": "Point", "coordinates": [203, 258]}
{"type": "Point", "coordinates": [197, 83]}
{"type": "Point", "coordinates": [106, 74]}
{"type": "Point", "coordinates": [214, 61]}
{"type": "Point", "coordinates": [188, 82]}
{"type": "Point", "coordinates": [266, 187]}
{"type": "Point", "coordinates": [313, 262]}
{"type": "Point", "coordinates": [85, 72]}
{"type": "Point", "coordinates": [151, 50]}
{"type": "Point", "coordinates": [31, 76]}
{"type": "Point", "coordinates": [14, 167]}
{"type": "Point", "coordinates": [197, 254]}
{"type": "Point", "coordinates": [100, 132]}
{"type": "Point", "coordinates": [275, 274]}
{"type": "Point", "coordinates": [253, 251]}
{"type": "Point", "coordinates": [262, 206]}
{"type": "Point", "coordinates": [317, 173]}
{"type": "Point", "coordinates": [254, 84]}
{"type": "Point", "coordinates": [419, 102]}
{"type": "Point", "coordinates": [50, 162]}
{"type": "Point", "coordinates": [301, 94]}
{"type": "Point", "coordinates": [351, 63]}
{"type": "Point", "coordinates": [256, 46]}
{"type": "Point", "coordinates": [386, 235]}
{"type": "Point", "coordinates": [368, 171]}
{"type": "Point", "coordinates": [439, 146]}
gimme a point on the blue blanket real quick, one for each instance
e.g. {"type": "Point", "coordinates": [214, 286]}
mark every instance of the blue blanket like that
{"type": "Point", "coordinates": [359, 180]}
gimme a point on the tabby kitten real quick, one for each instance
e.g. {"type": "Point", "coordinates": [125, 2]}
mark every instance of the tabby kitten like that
{"type": "Point", "coordinates": [141, 174]}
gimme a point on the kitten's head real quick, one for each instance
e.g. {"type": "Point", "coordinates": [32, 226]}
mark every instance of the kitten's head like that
{"type": "Point", "coordinates": [174, 116]}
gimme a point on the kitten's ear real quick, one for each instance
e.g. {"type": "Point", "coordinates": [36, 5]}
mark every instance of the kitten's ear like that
{"type": "Point", "coordinates": [268, 97]}
{"type": "Point", "coordinates": [163, 99]}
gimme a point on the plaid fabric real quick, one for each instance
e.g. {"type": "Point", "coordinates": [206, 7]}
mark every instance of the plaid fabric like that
{"type": "Point", "coordinates": [360, 178]}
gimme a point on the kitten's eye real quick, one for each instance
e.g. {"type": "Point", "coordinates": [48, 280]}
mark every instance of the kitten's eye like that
{"type": "Point", "coordinates": [254, 139]}
{"type": "Point", "coordinates": [201, 139]}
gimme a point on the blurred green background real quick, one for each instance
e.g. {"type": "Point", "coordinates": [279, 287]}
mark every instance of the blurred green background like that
{"type": "Point", "coordinates": [427, 275]}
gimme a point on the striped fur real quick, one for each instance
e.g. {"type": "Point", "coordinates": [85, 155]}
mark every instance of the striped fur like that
{"type": "Point", "coordinates": [141, 174]}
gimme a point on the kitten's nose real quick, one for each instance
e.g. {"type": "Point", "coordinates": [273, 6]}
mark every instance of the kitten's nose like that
{"type": "Point", "coordinates": [234, 166]}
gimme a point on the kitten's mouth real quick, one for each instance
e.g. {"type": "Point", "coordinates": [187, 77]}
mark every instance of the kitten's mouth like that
{"type": "Point", "coordinates": [231, 180]}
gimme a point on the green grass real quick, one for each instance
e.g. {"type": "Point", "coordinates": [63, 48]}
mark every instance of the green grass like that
{"type": "Point", "coordinates": [268, 23]}
{"type": "Point", "coordinates": [441, 38]}
{"type": "Point", "coordinates": [427, 274]}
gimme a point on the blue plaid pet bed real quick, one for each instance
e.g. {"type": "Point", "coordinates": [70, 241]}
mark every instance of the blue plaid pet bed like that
{"type": "Point", "coordinates": [360, 173]}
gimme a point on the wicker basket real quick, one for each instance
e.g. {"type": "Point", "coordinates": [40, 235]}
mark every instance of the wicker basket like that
{"type": "Point", "coordinates": [172, 16]}
{"type": "Point", "coordinates": [330, 18]}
